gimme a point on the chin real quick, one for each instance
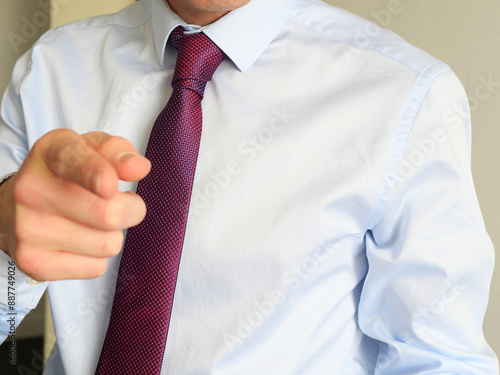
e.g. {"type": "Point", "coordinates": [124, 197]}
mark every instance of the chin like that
{"type": "Point", "coordinates": [213, 5]}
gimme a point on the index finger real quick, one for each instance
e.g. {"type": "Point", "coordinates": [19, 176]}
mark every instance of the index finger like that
{"type": "Point", "coordinates": [70, 157]}
{"type": "Point", "coordinates": [128, 163]}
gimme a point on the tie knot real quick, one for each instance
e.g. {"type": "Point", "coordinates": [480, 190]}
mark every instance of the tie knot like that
{"type": "Point", "coordinates": [198, 58]}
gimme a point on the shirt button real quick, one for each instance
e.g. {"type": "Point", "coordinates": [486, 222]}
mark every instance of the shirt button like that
{"type": "Point", "coordinates": [32, 282]}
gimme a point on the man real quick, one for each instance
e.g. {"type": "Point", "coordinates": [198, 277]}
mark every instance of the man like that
{"type": "Point", "coordinates": [333, 227]}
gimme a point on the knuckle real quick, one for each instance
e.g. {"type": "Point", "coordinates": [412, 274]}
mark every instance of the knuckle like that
{"type": "Point", "coordinates": [65, 159]}
{"type": "Point", "coordinates": [95, 138]}
{"type": "Point", "coordinates": [24, 190]}
{"type": "Point", "coordinates": [30, 262]}
{"type": "Point", "coordinates": [112, 144]}
{"type": "Point", "coordinates": [95, 213]}
{"type": "Point", "coordinates": [42, 143]}
{"type": "Point", "coordinates": [110, 213]}
{"type": "Point", "coordinates": [60, 158]}
{"type": "Point", "coordinates": [112, 244]}
{"type": "Point", "coordinates": [23, 229]}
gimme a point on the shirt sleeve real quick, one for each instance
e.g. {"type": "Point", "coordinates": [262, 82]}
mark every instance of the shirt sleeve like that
{"type": "Point", "coordinates": [18, 293]}
{"type": "Point", "coordinates": [430, 258]}
{"type": "Point", "coordinates": [13, 135]}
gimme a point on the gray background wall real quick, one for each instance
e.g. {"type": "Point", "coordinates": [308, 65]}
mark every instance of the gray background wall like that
{"type": "Point", "coordinates": [17, 32]}
{"type": "Point", "coordinates": [463, 33]}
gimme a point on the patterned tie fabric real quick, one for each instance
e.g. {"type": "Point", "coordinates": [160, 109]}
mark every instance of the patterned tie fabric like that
{"type": "Point", "coordinates": [140, 316]}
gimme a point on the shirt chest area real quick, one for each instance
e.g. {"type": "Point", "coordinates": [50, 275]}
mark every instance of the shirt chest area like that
{"type": "Point", "coordinates": [274, 182]}
{"type": "Point", "coordinates": [281, 160]}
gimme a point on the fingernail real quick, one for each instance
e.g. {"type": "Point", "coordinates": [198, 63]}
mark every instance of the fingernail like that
{"type": "Point", "coordinates": [129, 156]}
{"type": "Point", "coordinates": [33, 281]}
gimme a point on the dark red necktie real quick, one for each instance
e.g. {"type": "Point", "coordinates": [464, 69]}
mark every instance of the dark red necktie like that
{"type": "Point", "coordinates": [140, 316]}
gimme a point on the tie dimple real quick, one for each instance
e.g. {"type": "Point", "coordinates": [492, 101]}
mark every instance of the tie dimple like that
{"type": "Point", "coordinates": [140, 316]}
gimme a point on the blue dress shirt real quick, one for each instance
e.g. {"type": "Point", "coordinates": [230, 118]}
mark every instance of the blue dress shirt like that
{"type": "Point", "coordinates": [334, 227]}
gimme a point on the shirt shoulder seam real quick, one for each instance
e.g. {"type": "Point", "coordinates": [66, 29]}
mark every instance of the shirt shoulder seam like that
{"type": "Point", "coordinates": [71, 26]}
{"type": "Point", "coordinates": [77, 25]}
{"type": "Point", "coordinates": [407, 120]}
{"type": "Point", "coordinates": [429, 72]}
